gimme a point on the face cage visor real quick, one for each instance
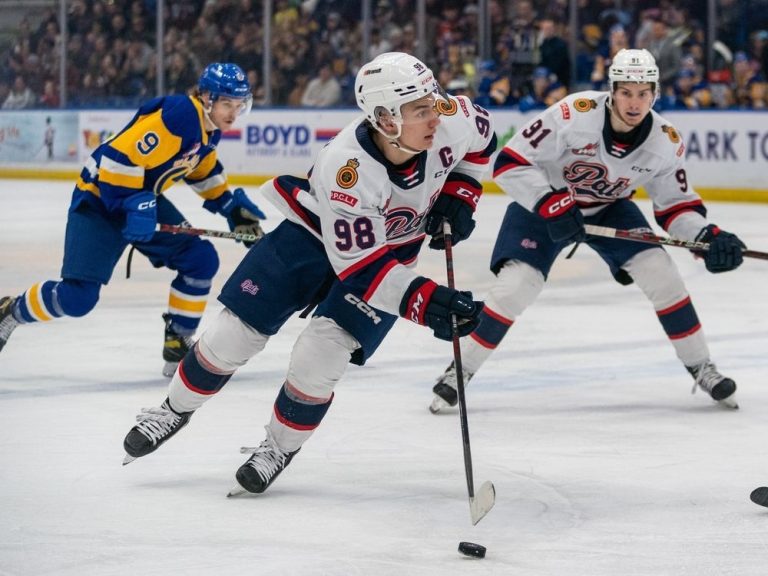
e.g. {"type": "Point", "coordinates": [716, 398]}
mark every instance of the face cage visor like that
{"type": "Point", "coordinates": [245, 103]}
{"type": "Point", "coordinates": [443, 105]}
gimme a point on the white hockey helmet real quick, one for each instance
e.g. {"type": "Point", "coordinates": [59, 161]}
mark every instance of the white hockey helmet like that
{"type": "Point", "coordinates": [390, 80]}
{"type": "Point", "coordinates": [634, 66]}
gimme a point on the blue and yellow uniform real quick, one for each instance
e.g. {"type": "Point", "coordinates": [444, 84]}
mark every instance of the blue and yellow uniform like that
{"type": "Point", "coordinates": [118, 200]}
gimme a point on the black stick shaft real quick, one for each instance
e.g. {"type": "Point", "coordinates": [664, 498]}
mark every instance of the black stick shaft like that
{"type": "Point", "coordinates": [458, 365]}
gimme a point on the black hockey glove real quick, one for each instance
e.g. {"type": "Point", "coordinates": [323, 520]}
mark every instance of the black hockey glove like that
{"type": "Point", "coordinates": [565, 223]}
{"type": "Point", "coordinates": [724, 252]}
{"type": "Point", "coordinates": [243, 216]}
{"type": "Point", "coordinates": [431, 305]}
{"type": "Point", "coordinates": [456, 203]}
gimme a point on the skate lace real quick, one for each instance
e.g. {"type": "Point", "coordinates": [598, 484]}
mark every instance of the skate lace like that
{"type": "Point", "coordinates": [267, 457]}
{"type": "Point", "coordinates": [8, 323]}
{"type": "Point", "coordinates": [449, 377]}
{"type": "Point", "coordinates": [707, 377]}
{"type": "Point", "coordinates": [155, 423]}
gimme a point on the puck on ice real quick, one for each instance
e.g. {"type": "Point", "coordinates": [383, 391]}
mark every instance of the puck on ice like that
{"type": "Point", "coordinates": [760, 496]}
{"type": "Point", "coordinates": [472, 549]}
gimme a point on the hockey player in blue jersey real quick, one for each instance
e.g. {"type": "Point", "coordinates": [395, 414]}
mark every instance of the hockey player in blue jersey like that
{"type": "Point", "coordinates": [349, 242]}
{"type": "Point", "coordinates": [118, 200]}
{"type": "Point", "coordinates": [580, 161]}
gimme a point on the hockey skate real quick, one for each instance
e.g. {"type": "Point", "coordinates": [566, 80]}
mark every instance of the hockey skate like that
{"type": "Point", "coordinates": [261, 469]}
{"type": "Point", "coordinates": [155, 426]}
{"type": "Point", "coordinates": [175, 347]}
{"type": "Point", "coordinates": [720, 388]}
{"type": "Point", "coordinates": [445, 389]}
{"type": "Point", "coordinates": [7, 322]}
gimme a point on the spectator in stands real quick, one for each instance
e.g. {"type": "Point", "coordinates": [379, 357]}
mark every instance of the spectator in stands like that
{"type": "Point", "coordinates": [50, 95]}
{"type": "Point", "coordinates": [689, 92]}
{"type": "Point", "coordinates": [180, 75]}
{"type": "Point", "coordinates": [493, 88]}
{"type": "Point", "coordinates": [379, 44]}
{"type": "Point", "coordinates": [545, 91]}
{"type": "Point", "coordinates": [459, 87]}
{"type": "Point", "coordinates": [20, 96]}
{"type": "Point", "coordinates": [665, 49]}
{"type": "Point", "coordinates": [554, 51]}
{"type": "Point", "coordinates": [617, 40]}
{"type": "Point", "coordinates": [323, 90]}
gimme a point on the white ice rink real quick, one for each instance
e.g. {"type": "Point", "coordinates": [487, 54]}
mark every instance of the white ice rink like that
{"type": "Point", "coordinates": [603, 461]}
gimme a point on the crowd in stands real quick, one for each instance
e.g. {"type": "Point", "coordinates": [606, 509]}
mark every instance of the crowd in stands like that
{"type": "Point", "coordinates": [316, 48]}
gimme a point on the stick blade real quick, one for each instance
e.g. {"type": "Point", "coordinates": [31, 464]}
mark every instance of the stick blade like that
{"type": "Point", "coordinates": [760, 496]}
{"type": "Point", "coordinates": [482, 503]}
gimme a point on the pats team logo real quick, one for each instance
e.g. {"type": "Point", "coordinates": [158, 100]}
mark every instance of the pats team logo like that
{"type": "Point", "coordinates": [249, 287]}
{"type": "Point", "coordinates": [584, 104]}
{"type": "Point", "coordinates": [446, 107]}
{"type": "Point", "coordinates": [347, 177]}
{"type": "Point", "coordinates": [673, 134]}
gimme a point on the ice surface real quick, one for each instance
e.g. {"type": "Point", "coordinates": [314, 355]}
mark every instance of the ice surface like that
{"type": "Point", "coordinates": [603, 461]}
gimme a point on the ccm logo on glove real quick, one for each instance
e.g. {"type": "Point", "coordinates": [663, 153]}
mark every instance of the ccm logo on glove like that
{"type": "Point", "coordinates": [556, 204]}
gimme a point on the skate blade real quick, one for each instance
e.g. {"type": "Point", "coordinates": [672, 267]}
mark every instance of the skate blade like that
{"type": "Point", "coordinates": [482, 502]}
{"type": "Point", "coordinates": [237, 491]}
{"type": "Point", "coordinates": [729, 402]}
{"type": "Point", "coordinates": [128, 459]}
{"type": "Point", "coordinates": [170, 369]}
{"type": "Point", "coordinates": [438, 404]}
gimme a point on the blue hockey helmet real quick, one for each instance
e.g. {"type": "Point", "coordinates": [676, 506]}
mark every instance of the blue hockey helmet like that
{"type": "Point", "coordinates": [225, 79]}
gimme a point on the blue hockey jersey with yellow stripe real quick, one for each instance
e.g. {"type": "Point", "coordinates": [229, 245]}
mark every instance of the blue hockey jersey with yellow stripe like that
{"type": "Point", "coordinates": [166, 141]}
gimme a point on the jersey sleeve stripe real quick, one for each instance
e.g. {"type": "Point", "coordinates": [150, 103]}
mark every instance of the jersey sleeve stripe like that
{"type": "Point", "coordinates": [480, 158]}
{"type": "Point", "coordinates": [507, 160]}
{"type": "Point", "coordinates": [290, 199]}
{"type": "Point", "coordinates": [121, 180]}
{"type": "Point", "coordinates": [377, 280]}
{"type": "Point", "coordinates": [360, 264]}
{"type": "Point", "coordinates": [667, 216]}
{"type": "Point", "coordinates": [116, 167]}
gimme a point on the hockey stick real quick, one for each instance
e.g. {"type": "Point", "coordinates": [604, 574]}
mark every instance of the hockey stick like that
{"type": "Point", "coordinates": [205, 232]}
{"type": "Point", "coordinates": [482, 502]}
{"type": "Point", "coordinates": [649, 238]}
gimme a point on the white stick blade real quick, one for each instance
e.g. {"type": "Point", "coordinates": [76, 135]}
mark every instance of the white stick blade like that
{"type": "Point", "coordinates": [482, 503]}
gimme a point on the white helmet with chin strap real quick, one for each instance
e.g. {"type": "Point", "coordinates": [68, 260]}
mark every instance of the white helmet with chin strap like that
{"type": "Point", "coordinates": [634, 66]}
{"type": "Point", "coordinates": [387, 82]}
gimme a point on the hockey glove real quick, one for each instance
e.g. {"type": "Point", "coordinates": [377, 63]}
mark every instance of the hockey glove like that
{"type": "Point", "coordinates": [243, 216]}
{"type": "Point", "coordinates": [140, 216]}
{"type": "Point", "coordinates": [564, 220]}
{"type": "Point", "coordinates": [456, 203]}
{"type": "Point", "coordinates": [431, 305]}
{"type": "Point", "coordinates": [724, 252]}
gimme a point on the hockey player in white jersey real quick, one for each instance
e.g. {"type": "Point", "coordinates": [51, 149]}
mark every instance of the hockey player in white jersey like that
{"type": "Point", "coordinates": [348, 245]}
{"type": "Point", "coordinates": [580, 161]}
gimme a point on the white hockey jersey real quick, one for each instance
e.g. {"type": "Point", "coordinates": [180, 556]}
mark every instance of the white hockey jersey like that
{"type": "Point", "coordinates": [370, 214]}
{"type": "Point", "coordinates": [570, 145]}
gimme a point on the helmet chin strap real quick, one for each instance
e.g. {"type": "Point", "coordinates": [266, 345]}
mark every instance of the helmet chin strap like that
{"type": "Point", "coordinates": [400, 146]}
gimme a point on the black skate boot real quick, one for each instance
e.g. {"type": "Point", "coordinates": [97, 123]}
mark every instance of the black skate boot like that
{"type": "Point", "coordinates": [720, 388]}
{"type": "Point", "coordinates": [7, 322]}
{"type": "Point", "coordinates": [261, 469]}
{"type": "Point", "coordinates": [155, 426]}
{"type": "Point", "coordinates": [175, 347]}
{"type": "Point", "coordinates": [446, 394]}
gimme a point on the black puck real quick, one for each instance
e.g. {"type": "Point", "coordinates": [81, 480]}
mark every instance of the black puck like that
{"type": "Point", "coordinates": [760, 496]}
{"type": "Point", "coordinates": [472, 549]}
